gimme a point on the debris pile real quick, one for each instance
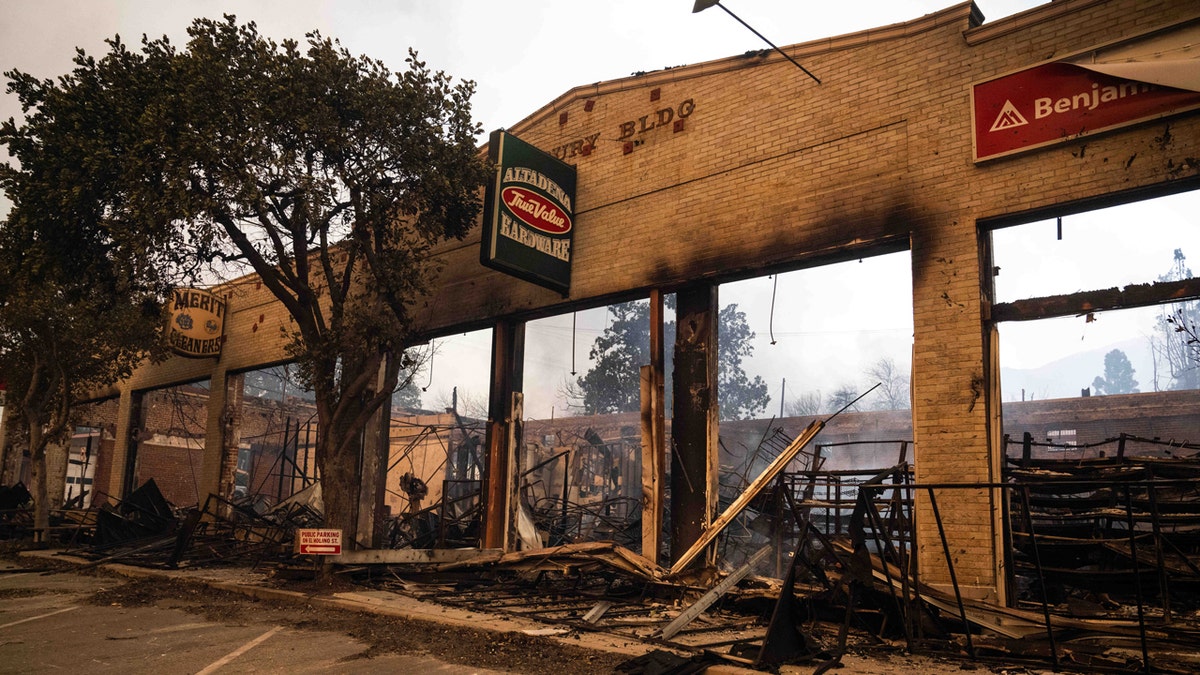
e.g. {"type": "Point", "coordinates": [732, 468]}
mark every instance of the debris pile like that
{"type": "Point", "coordinates": [16, 513]}
{"type": "Point", "coordinates": [1103, 561]}
{"type": "Point", "coordinates": [145, 529]}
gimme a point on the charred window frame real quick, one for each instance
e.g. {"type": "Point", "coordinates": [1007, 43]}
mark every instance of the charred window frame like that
{"type": "Point", "coordinates": [1082, 302]}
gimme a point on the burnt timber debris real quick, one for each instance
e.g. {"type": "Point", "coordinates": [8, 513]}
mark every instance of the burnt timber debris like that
{"type": "Point", "coordinates": [1104, 555]}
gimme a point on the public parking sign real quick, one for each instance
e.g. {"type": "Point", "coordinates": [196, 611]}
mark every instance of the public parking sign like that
{"type": "Point", "coordinates": [319, 542]}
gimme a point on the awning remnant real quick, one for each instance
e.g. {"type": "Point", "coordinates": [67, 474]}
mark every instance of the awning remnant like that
{"type": "Point", "coordinates": [1168, 59]}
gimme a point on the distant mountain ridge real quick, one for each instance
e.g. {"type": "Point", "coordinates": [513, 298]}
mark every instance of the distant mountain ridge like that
{"type": "Point", "coordinates": [1067, 377]}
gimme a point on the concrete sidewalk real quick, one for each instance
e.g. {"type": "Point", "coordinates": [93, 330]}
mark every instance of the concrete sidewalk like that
{"type": "Point", "coordinates": [257, 584]}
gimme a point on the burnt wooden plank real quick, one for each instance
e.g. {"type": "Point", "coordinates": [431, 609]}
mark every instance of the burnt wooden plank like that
{"type": "Point", "coordinates": [1075, 304]}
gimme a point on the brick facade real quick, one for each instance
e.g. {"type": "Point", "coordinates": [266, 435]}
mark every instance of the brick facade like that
{"type": "Point", "coordinates": [760, 169]}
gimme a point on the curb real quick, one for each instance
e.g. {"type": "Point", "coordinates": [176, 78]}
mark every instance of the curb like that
{"type": "Point", "coordinates": [391, 605]}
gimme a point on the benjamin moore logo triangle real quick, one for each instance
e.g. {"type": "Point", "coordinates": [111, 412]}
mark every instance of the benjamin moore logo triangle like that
{"type": "Point", "coordinates": [1008, 118]}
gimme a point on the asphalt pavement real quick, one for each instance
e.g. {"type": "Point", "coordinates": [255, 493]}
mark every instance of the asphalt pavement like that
{"type": "Point", "coordinates": [48, 625]}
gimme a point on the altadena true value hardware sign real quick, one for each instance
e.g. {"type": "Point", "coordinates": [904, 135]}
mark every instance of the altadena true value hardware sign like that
{"type": "Point", "coordinates": [197, 326]}
{"type": "Point", "coordinates": [529, 214]}
{"type": "Point", "coordinates": [1055, 102]}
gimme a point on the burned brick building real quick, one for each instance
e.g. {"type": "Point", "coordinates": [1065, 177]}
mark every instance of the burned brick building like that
{"type": "Point", "coordinates": [926, 136]}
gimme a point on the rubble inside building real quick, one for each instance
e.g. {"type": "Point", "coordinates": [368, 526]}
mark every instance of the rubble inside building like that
{"type": "Point", "coordinates": [806, 561]}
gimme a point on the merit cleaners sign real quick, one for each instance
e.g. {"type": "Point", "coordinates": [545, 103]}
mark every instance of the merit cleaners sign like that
{"type": "Point", "coordinates": [197, 327]}
{"type": "Point", "coordinates": [528, 214]}
{"type": "Point", "coordinates": [1056, 102]}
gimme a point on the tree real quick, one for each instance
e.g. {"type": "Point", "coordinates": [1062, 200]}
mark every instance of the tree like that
{"type": "Point", "coordinates": [326, 174]}
{"type": "Point", "coordinates": [611, 385]}
{"type": "Point", "coordinates": [1174, 345]}
{"type": "Point", "coordinates": [893, 385]}
{"type": "Point", "coordinates": [1186, 325]}
{"type": "Point", "coordinates": [407, 396]}
{"type": "Point", "coordinates": [81, 304]}
{"type": "Point", "coordinates": [1118, 375]}
{"type": "Point", "coordinates": [739, 396]}
{"type": "Point", "coordinates": [68, 326]}
{"type": "Point", "coordinates": [841, 397]}
{"type": "Point", "coordinates": [807, 404]}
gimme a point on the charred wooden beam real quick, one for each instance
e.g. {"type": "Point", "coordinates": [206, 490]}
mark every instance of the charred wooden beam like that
{"type": "Point", "coordinates": [694, 422]}
{"type": "Point", "coordinates": [688, 615]}
{"type": "Point", "coordinates": [653, 420]}
{"type": "Point", "coordinates": [1075, 304]}
{"type": "Point", "coordinates": [508, 352]}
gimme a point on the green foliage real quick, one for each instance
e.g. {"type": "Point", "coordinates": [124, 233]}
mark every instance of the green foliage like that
{"type": "Point", "coordinates": [740, 397]}
{"type": "Point", "coordinates": [68, 324]}
{"type": "Point", "coordinates": [80, 302]}
{"type": "Point", "coordinates": [612, 386]}
{"type": "Point", "coordinates": [326, 174]}
{"type": "Point", "coordinates": [1118, 375]}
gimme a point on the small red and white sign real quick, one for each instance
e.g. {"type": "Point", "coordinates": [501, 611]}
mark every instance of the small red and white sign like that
{"type": "Point", "coordinates": [1056, 102]}
{"type": "Point", "coordinates": [318, 542]}
{"type": "Point", "coordinates": [535, 210]}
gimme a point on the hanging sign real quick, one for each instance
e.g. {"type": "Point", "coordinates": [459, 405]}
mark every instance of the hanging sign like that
{"type": "Point", "coordinates": [1056, 102]}
{"type": "Point", "coordinates": [529, 214]}
{"type": "Point", "coordinates": [197, 326]}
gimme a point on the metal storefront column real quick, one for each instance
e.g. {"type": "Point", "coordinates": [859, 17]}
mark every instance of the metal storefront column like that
{"type": "Point", "coordinates": [503, 434]}
{"type": "Point", "coordinates": [694, 460]}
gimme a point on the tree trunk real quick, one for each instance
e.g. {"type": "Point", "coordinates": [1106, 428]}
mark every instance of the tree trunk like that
{"type": "Point", "coordinates": [342, 417]}
{"type": "Point", "coordinates": [37, 465]}
{"type": "Point", "coordinates": [10, 454]}
{"type": "Point", "coordinates": [337, 463]}
{"type": "Point", "coordinates": [339, 483]}
{"type": "Point", "coordinates": [58, 459]}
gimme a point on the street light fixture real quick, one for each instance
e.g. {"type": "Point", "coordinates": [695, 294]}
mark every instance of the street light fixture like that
{"type": "Point", "coordinates": [702, 5]}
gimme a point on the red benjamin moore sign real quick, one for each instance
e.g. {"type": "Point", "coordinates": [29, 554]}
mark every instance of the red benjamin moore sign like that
{"type": "Point", "coordinates": [1056, 102]}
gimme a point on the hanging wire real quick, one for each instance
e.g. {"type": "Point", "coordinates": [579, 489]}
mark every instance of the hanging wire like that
{"type": "Point", "coordinates": [573, 316]}
{"type": "Point", "coordinates": [771, 322]}
{"type": "Point", "coordinates": [432, 351]}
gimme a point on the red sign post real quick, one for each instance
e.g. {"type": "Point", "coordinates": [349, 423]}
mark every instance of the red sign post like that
{"type": "Point", "coordinates": [318, 542]}
{"type": "Point", "coordinates": [1057, 102]}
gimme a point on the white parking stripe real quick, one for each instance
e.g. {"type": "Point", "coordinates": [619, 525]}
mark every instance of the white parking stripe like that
{"type": "Point", "coordinates": [212, 668]}
{"type": "Point", "coordinates": [35, 618]}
